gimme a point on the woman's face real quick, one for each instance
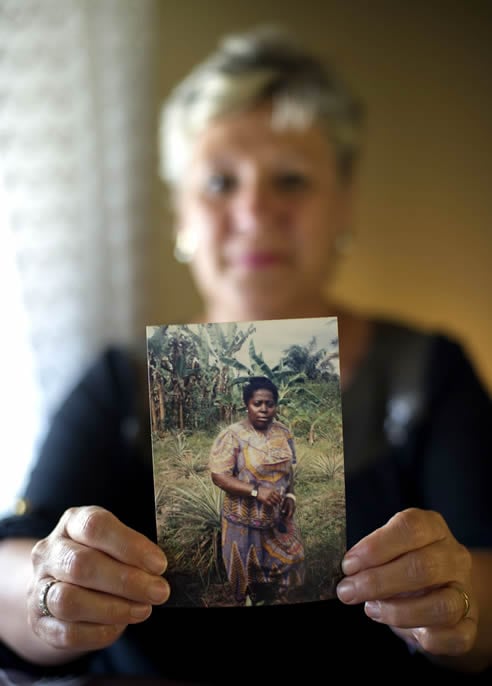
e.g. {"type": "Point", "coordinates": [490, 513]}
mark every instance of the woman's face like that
{"type": "Point", "coordinates": [263, 207]}
{"type": "Point", "coordinates": [261, 409]}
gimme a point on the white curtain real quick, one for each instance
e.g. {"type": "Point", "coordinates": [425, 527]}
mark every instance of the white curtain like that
{"type": "Point", "coordinates": [77, 162]}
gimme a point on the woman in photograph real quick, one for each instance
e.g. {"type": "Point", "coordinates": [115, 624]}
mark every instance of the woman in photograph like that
{"type": "Point", "coordinates": [252, 462]}
{"type": "Point", "coordinates": [260, 147]}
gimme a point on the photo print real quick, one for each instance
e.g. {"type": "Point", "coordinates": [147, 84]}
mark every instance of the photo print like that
{"type": "Point", "coordinates": [248, 463]}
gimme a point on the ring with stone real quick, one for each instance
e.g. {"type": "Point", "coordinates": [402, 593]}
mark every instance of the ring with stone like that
{"type": "Point", "coordinates": [43, 596]}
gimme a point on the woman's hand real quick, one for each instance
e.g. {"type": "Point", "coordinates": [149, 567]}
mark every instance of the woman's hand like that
{"type": "Point", "coordinates": [107, 576]}
{"type": "Point", "coordinates": [413, 575]}
{"type": "Point", "coordinates": [288, 507]}
{"type": "Point", "coordinates": [269, 496]}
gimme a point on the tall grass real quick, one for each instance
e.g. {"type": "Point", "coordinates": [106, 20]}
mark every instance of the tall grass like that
{"type": "Point", "coordinates": [188, 509]}
{"type": "Point", "coordinates": [194, 526]}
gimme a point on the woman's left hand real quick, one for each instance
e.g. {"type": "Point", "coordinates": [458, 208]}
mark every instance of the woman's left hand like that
{"type": "Point", "coordinates": [288, 508]}
{"type": "Point", "coordinates": [413, 575]}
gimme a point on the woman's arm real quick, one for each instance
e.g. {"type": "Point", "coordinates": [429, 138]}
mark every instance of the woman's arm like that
{"type": "Point", "coordinates": [289, 500]}
{"type": "Point", "coordinates": [234, 486]}
{"type": "Point", "coordinates": [418, 572]}
{"type": "Point", "coordinates": [482, 580]}
{"type": "Point", "coordinates": [107, 576]}
{"type": "Point", "coordinates": [15, 631]}
{"type": "Point", "coordinates": [411, 574]}
{"type": "Point", "coordinates": [480, 655]}
{"type": "Point", "coordinates": [87, 459]}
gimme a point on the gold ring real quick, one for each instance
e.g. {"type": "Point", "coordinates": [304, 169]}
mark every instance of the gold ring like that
{"type": "Point", "coordinates": [43, 607]}
{"type": "Point", "coordinates": [466, 602]}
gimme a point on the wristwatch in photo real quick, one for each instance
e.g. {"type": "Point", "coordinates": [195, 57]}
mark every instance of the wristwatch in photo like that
{"type": "Point", "coordinates": [254, 492]}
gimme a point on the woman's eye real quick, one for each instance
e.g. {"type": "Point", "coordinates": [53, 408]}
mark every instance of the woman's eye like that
{"type": "Point", "coordinates": [220, 183]}
{"type": "Point", "coordinates": [291, 181]}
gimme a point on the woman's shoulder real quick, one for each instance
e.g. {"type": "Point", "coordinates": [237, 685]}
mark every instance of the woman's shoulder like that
{"type": "Point", "coordinates": [280, 427]}
{"type": "Point", "coordinates": [116, 377]}
{"type": "Point", "coordinates": [113, 365]}
{"type": "Point", "coordinates": [393, 334]}
{"type": "Point", "coordinates": [232, 431]}
{"type": "Point", "coordinates": [398, 337]}
{"type": "Point", "coordinates": [436, 357]}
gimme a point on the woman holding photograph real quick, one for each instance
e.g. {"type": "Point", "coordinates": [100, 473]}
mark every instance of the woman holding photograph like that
{"type": "Point", "coordinates": [260, 147]}
{"type": "Point", "coordinates": [252, 462]}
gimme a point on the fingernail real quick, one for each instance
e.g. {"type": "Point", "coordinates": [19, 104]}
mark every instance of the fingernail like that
{"type": "Point", "coordinates": [158, 592]}
{"type": "Point", "coordinates": [350, 564]}
{"type": "Point", "coordinates": [155, 563]}
{"type": "Point", "coordinates": [346, 591]}
{"type": "Point", "coordinates": [140, 611]}
{"type": "Point", "coordinates": [373, 609]}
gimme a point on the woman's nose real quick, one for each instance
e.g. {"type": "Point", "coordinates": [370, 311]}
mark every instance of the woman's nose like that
{"type": "Point", "coordinates": [254, 208]}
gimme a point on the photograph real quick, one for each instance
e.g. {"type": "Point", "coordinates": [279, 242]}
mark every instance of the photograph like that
{"type": "Point", "coordinates": [248, 460]}
{"type": "Point", "coordinates": [245, 289]}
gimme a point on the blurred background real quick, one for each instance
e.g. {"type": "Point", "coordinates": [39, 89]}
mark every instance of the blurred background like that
{"type": "Point", "coordinates": [85, 228]}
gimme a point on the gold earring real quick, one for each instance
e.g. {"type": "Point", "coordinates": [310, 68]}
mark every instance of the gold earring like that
{"type": "Point", "coordinates": [185, 246]}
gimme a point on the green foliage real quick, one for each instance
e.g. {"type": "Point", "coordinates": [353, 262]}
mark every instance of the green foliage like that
{"type": "Point", "coordinates": [324, 467]}
{"type": "Point", "coordinates": [193, 525]}
{"type": "Point", "coordinates": [315, 363]}
{"type": "Point", "coordinates": [196, 379]}
{"type": "Point", "coordinates": [322, 461]}
{"type": "Point", "coordinates": [158, 342]}
{"type": "Point", "coordinates": [184, 461]}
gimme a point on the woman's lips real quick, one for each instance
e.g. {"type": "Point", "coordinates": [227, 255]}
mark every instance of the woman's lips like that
{"type": "Point", "coordinates": [257, 260]}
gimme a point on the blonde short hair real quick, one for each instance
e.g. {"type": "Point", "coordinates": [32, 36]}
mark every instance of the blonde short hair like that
{"type": "Point", "coordinates": [263, 65]}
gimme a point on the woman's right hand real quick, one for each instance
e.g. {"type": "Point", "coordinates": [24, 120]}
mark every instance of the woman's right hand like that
{"type": "Point", "coordinates": [107, 576]}
{"type": "Point", "coordinates": [269, 496]}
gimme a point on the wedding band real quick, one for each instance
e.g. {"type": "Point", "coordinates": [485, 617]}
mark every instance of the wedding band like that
{"type": "Point", "coordinates": [466, 602]}
{"type": "Point", "coordinates": [43, 607]}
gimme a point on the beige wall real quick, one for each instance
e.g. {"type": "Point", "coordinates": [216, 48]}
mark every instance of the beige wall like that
{"type": "Point", "coordinates": [424, 232]}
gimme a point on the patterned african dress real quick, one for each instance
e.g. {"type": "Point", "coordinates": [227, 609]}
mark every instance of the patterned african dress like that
{"type": "Point", "coordinates": [259, 547]}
